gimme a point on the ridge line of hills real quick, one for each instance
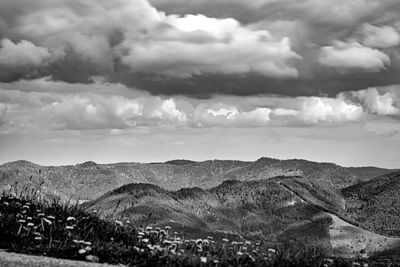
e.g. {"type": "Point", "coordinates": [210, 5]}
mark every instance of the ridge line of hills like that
{"type": "Point", "coordinates": [269, 199]}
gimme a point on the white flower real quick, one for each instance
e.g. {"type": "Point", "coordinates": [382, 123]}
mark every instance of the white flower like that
{"type": "Point", "coordinates": [47, 221]}
{"type": "Point", "coordinates": [203, 259]}
{"type": "Point", "coordinates": [71, 219]}
{"type": "Point", "coordinates": [82, 251]}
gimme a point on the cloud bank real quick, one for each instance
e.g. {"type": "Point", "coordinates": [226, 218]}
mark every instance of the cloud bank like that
{"type": "Point", "coordinates": [202, 48]}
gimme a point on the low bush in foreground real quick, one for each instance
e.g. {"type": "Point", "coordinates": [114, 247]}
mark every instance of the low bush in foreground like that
{"type": "Point", "coordinates": [29, 224]}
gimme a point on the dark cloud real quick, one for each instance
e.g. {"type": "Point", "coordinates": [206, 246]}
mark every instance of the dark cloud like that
{"type": "Point", "coordinates": [292, 48]}
{"type": "Point", "coordinates": [325, 82]}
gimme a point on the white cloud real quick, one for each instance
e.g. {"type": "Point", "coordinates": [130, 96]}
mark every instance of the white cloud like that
{"type": "Point", "coordinates": [22, 54]}
{"type": "Point", "coordinates": [379, 104]}
{"type": "Point", "coordinates": [322, 109]}
{"type": "Point", "coordinates": [379, 37]}
{"type": "Point", "coordinates": [353, 55]}
{"type": "Point", "coordinates": [196, 44]}
{"type": "Point", "coordinates": [167, 110]}
{"type": "Point", "coordinates": [149, 41]}
{"type": "Point", "coordinates": [285, 112]}
{"type": "Point", "coordinates": [223, 115]}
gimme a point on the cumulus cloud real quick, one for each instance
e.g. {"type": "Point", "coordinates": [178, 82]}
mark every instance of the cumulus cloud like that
{"type": "Point", "coordinates": [167, 110]}
{"type": "Point", "coordinates": [103, 35]}
{"type": "Point", "coordinates": [23, 53]}
{"type": "Point", "coordinates": [379, 37]}
{"type": "Point", "coordinates": [322, 109]}
{"type": "Point", "coordinates": [196, 44]}
{"type": "Point", "coordinates": [205, 47]}
{"type": "Point", "coordinates": [224, 115]}
{"type": "Point", "coordinates": [21, 58]}
{"type": "Point", "coordinates": [353, 56]}
{"type": "Point", "coordinates": [385, 104]}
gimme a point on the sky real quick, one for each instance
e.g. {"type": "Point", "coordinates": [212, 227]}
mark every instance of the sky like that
{"type": "Point", "coordinates": [155, 80]}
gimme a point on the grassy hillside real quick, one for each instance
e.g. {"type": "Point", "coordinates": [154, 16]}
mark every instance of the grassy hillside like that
{"type": "Point", "coordinates": [30, 225]}
{"type": "Point", "coordinates": [255, 209]}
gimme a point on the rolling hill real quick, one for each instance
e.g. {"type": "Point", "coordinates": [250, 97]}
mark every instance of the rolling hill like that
{"type": "Point", "coordinates": [259, 210]}
{"type": "Point", "coordinates": [375, 204]}
{"type": "Point", "coordinates": [282, 201]}
{"type": "Point", "coordinates": [90, 180]}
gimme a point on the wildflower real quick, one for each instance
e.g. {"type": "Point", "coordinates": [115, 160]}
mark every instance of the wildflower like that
{"type": "Point", "coordinates": [75, 241]}
{"type": "Point", "coordinates": [330, 261]}
{"type": "Point", "coordinates": [216, 261]}
{"type": "Point", "coordinates": [271, 250]}
{"type": "Point", "coordinates": [248, 243]}
{"type": "Point", "coordinates": [149, 228]}
{"type": "Point", "coordinates": [38, 238]}
{"type": "Point", "coordinates": [69, 227]}
{"type": "Point", "coordinates": [119, 223]}
{"type": "Point", "coordinates": [29, 218]}
{"type": "Point", "coordinates": [30, 224]}
{"type": "Point", "coordinates": [240, 253]}
{"type": "Point", "coordinates": [92, 258]}
{"type": "Point", "coordinates": [26, 207]}
{"type": "Point", "coordinates": [41, 214]}
{"type": "Point", "coordinates": [128, 221]}
{"type": "Point", "coordinates": [21, 221]}
{"type": "Point", "coordinates": [82, 251]}
{"type": "Point", "coordinates": [145, 240]}
{"type": "Point", "coordinates": [225, 240]}
{"type": "Point", "coordinates": [47, 221]}
{"type": "Point", "coordinates": [51, 217]}
{"type": "Point", "coordinates": [203, 259]}
{"type": "Point", "coordinates": [87, 243]}
{"type": "Point", "coordinates": [167, 227]}
{"type": "Point", "coordinates": [6, 203]}
{"type": "Point", "coordinates": [69, 219]}
{"type": "Point", "coordinates": [210, 237]}
{"type": "Point", "coordinates": [88, 248]}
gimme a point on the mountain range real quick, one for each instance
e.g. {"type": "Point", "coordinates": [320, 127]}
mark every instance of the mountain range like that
{"type": "Point", "coordinates": [343, 210]}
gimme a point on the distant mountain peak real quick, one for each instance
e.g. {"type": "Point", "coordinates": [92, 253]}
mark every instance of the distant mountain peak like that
{"type": "Point", "coordinates": [180, 162]}
{"type": "Point", "coordinates": [21, 163]}
{"type": "Point", "coordinates": [87, 164]}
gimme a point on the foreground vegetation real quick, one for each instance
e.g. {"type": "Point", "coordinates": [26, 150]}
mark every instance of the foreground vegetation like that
{"type": "Point", "coordinates": [29, 224]}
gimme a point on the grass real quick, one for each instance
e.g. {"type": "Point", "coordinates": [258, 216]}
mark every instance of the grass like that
{"type": "Point", "coordinates": [30, 224]}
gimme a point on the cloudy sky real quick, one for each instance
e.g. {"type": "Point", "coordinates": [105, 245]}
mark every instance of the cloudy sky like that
{"type": "Point", "coordinates": [153, 80]}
